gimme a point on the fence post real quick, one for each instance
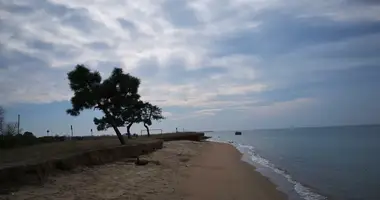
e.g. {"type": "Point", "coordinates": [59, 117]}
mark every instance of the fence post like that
{"type": "Point", "coordinates": [72, 133]}
{"type": "Point", "coordinates": [18, 124]}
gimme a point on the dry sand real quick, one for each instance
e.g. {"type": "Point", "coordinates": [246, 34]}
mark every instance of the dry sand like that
{"type": "Point", "coordinates": [187, 170]}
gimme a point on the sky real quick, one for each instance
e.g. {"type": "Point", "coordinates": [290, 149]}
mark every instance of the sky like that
{"type": "Point", "coordinates": [210, 64]}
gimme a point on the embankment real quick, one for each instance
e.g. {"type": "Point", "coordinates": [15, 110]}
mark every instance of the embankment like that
{"type": "Point", "coordinates": [15, 174]}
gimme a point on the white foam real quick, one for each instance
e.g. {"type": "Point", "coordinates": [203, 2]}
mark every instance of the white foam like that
{"type": "Point", "coordinates": [303, 191]}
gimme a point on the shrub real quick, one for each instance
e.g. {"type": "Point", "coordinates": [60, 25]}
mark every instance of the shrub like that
{"type": "Point", "coordinates": [16, 140]}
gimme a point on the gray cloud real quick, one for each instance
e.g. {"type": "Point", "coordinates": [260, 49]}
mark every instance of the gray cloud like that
{"type": "Point", "coordinates": [41, 45]}
{"type": "Point", "coordinates": [127, 24]}
{"type": "Point", "coordinates": [80, 19]}
{"type": "Point", "coordinates": [33, 6]}
{"type": "Point", "coordinates": [12, 59]}
{"type": "Point", "coordinates": [147, 67]}
{"type": "Point", "coordinates": [281, 34]}
{"type": "Point", "coordinates": [175, 71]}
{"type": "Point", "coordinates": [264, 57]}
{"type": "Point", "coordinates": [99, 46]}
{"type": "Point", "coordinates": [363, 2]}
{"type": "Point", "coordinates": [180, 14]}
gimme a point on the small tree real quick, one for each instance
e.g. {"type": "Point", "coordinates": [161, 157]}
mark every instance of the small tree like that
{"type": "Point", "coordinates": [125, 117]}
{"type": "Point", "coordinates": [150, 112]}
{"type": "Point", "coordinates": [10, 129]}
{"type": "Point", "coordinates": [110, 96]}
{"type": "Point", "coordinates": [28, 138]}
{"type": "Point", "coordinates": [133, 115]}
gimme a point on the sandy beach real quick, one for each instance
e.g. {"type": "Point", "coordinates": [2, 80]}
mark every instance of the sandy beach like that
{"type": "Point", "coordinates": [183, 170]}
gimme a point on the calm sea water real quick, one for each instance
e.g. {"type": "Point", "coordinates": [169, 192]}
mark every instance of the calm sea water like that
{"type": "Point", "coordinates": [315, 163]}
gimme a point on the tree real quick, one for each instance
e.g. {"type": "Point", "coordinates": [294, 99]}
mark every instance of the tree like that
{"type": "Point", "coordinates": [10, 129]}
{"type": "Point", "coordinates": [124, 107]}
{"type": "Point", "coordinates": [111, 96]}
{"type": "Point", "coordinates": [150, 112]}
{"type": "Point", "coordinates": [28, 134]}
{"type": "Point", "coordinates": [132, 115]}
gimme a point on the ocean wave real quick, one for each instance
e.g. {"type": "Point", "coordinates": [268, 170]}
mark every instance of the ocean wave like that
{"type": "Point", "coordinates": [303, 191]}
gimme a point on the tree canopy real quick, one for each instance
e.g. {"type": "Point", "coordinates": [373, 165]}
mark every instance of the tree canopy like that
{"type": "Point", "coordinates": [117, 97]}
{"type": "Point", "coordinates": [111, 96]}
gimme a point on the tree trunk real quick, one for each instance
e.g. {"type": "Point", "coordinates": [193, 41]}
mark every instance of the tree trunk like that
{"type": "Point", "coordinates": [119, 135]}
{"type": "Point", "coordinates": [147, 129]}
{"type": "Point", "coordinates": [129, 130]}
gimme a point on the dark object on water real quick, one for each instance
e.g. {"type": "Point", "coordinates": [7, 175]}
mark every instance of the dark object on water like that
{"type": "Point", "coordinates": [237, 133]}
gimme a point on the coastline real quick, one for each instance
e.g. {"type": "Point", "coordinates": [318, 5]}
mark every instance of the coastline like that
{"type": "Point", "coordinates": [186, 170]}
{"type": "Point", "coordinates": [219, 173]}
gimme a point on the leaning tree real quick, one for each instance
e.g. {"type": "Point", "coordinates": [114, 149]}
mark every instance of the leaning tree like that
{"type": "Point", "coordinates": [112, 96]}
{"type": "Point", "coordinates": [150, 112]}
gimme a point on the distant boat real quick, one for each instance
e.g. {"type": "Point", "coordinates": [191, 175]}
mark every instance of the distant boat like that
{"type": "Point", "coordinates": [237, 133]}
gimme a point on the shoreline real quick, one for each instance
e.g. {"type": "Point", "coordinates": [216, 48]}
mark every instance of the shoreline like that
{"type": "Point", "coordinates": [185, 170]}
{"type": "Point", "coordinates": [222, 174]}
{"type": "Point", "coordinates": [283, 181]}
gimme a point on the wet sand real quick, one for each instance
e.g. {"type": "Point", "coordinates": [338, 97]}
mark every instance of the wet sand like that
{"type": "Point", "coordinates": [187, 170]}
{"type": "Point", "coordinates": [218, 173]}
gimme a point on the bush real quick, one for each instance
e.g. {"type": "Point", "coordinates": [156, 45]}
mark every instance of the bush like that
{"type": "Point", "coordinates": [49, 139]}
{"type": "Point", "coordinates": [16, 140]}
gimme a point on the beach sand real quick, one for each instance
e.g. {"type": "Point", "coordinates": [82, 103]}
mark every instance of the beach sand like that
{"type": "Point", "coordinates": [187, 170]}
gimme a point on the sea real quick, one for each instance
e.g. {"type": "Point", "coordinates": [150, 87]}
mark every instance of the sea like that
{"type": "Point", "coordinates": [337, 163]}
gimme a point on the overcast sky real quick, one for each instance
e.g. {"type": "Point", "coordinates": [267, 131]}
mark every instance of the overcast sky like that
{"type": "Point", "coordinates": [210, 64]}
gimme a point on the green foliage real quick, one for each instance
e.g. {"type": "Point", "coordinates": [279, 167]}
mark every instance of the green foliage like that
{"type": "Point", "coordinates": [28, 134]}
{"type": "Point", "coordinates": [116, 96]}
{"type": "Point", "coordinates": [151, 112]}
{"type": "Point", "coordinates": [85, 85]}
{"type": "Point", "coordinates": [17, 140]}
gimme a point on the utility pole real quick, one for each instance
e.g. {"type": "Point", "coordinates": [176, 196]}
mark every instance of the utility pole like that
{"type": "Point", "coordinates": [72, 133]}
{"type": "Point", "coordinates": [18, 124]}
{"type": "Point", "coordinates": [91, 133]}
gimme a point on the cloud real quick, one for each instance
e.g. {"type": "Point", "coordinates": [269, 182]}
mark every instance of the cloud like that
{"type": "Point", "coordinates": [199, 114]}
{"type": "Point", "coordinates": [300, 32]}
{"type": "Point", "coordinates": [180, 14]}
{"type": "Point", "coordinates": [203, 55]}
{"type": "Point", "coordinates": [130, 26]}
{"type": "Point", "coordinates": [363, 2]}
{"type": "Point", "coordinates": [167, 114]}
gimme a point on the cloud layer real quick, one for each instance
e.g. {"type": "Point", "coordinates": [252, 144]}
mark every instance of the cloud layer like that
{"type": "Point", "coordinates": [206, 56]}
